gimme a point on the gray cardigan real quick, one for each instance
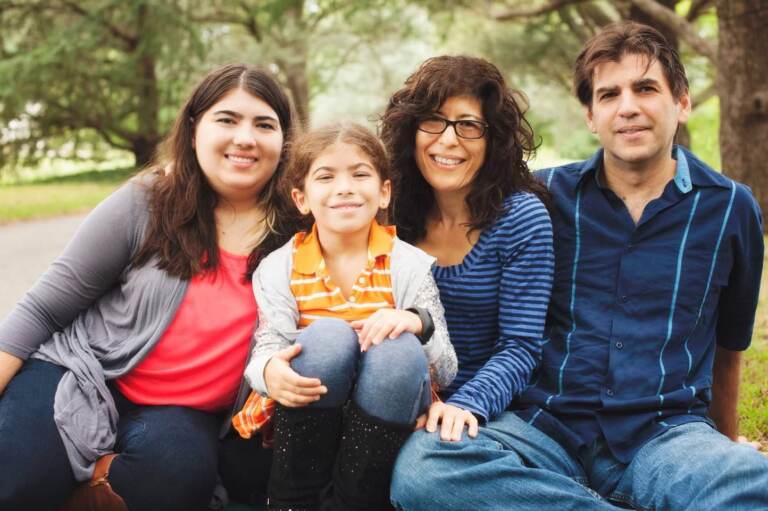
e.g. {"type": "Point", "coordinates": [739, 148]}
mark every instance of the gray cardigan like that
{"type": "Point", "coordinates": [412, 286]}
{"type": "Point", "coordinates": [97, 315]}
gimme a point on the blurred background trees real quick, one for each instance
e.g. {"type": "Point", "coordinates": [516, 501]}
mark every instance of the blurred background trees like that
{"type": "Point", "coordinates": [102, 79]}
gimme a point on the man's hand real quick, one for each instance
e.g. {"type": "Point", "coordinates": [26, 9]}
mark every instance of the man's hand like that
{"type": "Point", "coordinates": [288, 387]}
{"type": "Point", "coordinates": [385, 324]}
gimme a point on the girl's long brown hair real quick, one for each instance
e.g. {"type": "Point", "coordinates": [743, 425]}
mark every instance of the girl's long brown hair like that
{"type": "Point", "coordinates": [181, 233]}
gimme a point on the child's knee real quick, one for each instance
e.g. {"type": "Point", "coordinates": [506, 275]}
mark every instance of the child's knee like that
{"type": "Point", "coordinates": [327, 343]}
{"type": "Point", "coordinates": [330, 353]}
{"type": "Point", "coordinates": [394, 380]}
{"type": "Point", "coordinates": [395, 360]}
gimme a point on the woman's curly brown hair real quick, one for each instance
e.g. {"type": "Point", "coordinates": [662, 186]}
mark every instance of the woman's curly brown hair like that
{"type": "Point", "coordinates": [510, 141]}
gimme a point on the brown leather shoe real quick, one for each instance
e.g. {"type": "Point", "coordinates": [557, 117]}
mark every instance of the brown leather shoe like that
{"type": "Point", "coordinates": [96, 494]}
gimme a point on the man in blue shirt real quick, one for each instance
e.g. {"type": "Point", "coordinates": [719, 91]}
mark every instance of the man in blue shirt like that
{"type": "Point", "coordinates": [657, 272]}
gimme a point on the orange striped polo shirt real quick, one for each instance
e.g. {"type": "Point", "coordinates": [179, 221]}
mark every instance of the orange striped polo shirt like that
{"type": "Point", "coordinates": [318, 297]}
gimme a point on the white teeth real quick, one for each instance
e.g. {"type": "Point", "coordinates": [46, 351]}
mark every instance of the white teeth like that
{"type": "Point", "coordinates": [446, 161]}
{"type": "Point", "coordinates": [240, 159]}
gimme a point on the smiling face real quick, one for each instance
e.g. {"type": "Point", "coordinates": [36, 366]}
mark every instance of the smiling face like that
{"type": "Point", "coordinates": [447, 162]}
{"type": "Point", "coordinates": [342, 190]}
{"type": "Point", "coordinates": [238, 142]}
{"type": "Point", "coordinates": [634, 113]}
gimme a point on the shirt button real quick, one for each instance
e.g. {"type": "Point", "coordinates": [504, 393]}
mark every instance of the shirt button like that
{"type": "Point", "coordinates": [623, 299]}
{"type": "Point", "coordinates": [609, 392]}
{"type": "Point", "coordinates": [619, 345]}
{"type": "Point", "coordinates": [361, 280]}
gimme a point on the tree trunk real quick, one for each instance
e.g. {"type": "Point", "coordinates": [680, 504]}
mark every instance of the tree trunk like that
{"type": "Point", "coordinates": [743, 89]}
{"type": "Point", "coordinates": [143, 149]}
{"type": "Point", "coordinates": [683, 136]}
{"type": "Point", "coordinates": [298, 85]}
{"type": "Point", "coordinates": [147, 97]}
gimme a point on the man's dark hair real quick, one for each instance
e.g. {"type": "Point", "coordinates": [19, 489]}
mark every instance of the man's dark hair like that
{"type": "Point", "coordinates": [627, 38]}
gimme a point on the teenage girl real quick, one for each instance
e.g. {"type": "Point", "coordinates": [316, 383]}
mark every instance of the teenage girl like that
{"type": "Point", "coordinates": [351, 332]}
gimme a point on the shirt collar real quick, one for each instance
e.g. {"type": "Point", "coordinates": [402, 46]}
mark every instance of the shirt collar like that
{"type": "Point", "coordinates": [308, 256]}
{"type": "Point", "coordinates": [689, 170]}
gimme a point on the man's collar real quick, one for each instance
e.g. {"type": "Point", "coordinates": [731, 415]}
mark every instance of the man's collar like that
{"type": "Point", "coordinates": [689, 170]}
{"type": "Point", "coordinates": [308, 256]}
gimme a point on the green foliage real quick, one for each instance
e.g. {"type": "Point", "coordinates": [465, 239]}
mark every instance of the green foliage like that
{"type": "Point", "coordinates": [704, 125]}
{"type": "Point", "coordinates": [75, 76]}
{"type": "Point", "coordinates": [313, 47]}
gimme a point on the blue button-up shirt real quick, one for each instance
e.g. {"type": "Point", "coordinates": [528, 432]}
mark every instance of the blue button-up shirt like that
{"type": "Point", "coordinates": [637, 309]}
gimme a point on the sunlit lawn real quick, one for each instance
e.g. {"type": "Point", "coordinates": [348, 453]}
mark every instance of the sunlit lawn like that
{"type": "Point", "coordinates": [753, 402]}
{"type": "Point", "coordinates": [58, 196]}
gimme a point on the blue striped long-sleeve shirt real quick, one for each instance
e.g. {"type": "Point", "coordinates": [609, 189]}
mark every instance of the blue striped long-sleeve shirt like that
{"type": "Point", "coordinates": [495, 305]}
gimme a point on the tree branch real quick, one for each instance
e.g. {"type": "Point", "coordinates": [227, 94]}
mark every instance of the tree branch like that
{"type": "Point", "coordinates": [128, 39]}
{"type": "Point", "coordinates": [697, 8]}
{"type": "Point", "coordinates": [517, 12]}
{"type": "Point", "coordinates": [704, 96]}
{"type": "Point", "coordinates": [684, 30]}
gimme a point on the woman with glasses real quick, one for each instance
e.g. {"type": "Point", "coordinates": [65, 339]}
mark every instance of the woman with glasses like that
{"type": "Point", "coordinates": [464, 194]}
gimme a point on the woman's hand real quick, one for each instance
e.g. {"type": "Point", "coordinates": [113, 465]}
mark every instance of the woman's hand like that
{"type": "Point", "coordinates": [285, 385]}
{"type": "Point", "coordinates": [452, 418]}
{"type": "Point", "coordinates": [9, 366]}
{"type": "Point", "coordinates": [383, 324]}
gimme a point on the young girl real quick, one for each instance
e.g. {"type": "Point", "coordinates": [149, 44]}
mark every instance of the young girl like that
{"type": "Point", "coordinates": [351, 328]}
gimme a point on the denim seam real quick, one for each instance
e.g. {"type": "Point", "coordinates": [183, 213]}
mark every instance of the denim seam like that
{"type": "Point", "coordinates": [623, 498]}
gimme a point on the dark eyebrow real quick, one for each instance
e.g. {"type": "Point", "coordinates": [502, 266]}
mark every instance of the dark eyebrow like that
{"type": "Point", "coordinates": [238, 115]}
{"type": "Point", "coordinates": [645, 82]}
{"type": "Point", "coordinates": [603, 90]}
{"type": "Point", "coordinates": [359, 164]}
{"type": "Point", "coordinates": [229, 113]}
{"type": "Point", "coordinates": [461, 117]}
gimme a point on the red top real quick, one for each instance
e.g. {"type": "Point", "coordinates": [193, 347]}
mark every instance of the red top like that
{"type": "Point", "coordinates": [199, 360]}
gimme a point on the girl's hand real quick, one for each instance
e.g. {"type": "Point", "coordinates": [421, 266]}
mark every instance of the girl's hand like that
{"type": "Point", "coordinates": [285, 385]}
{"type": "Point", "coordinates": [452, 419]}
{"type": "Point", "coordinates": [385, 323]}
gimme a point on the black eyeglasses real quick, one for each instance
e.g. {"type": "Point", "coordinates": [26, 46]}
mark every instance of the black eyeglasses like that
{"type": "Point", "coordinates": [463, 128]}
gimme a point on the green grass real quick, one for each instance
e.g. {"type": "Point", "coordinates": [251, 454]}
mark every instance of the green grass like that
{"type": "Point", "coordinates": [753, 401]}
{"type": "Point", "coordinates": [57, 196]}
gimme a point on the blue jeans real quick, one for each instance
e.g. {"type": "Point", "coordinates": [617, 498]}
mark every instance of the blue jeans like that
{"type": "Point", "coordinates": [513, 465]}
{"type": "Point", "coordinates": [390, 381]}
{"type": "Point", "coordinates": [167, 454]}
